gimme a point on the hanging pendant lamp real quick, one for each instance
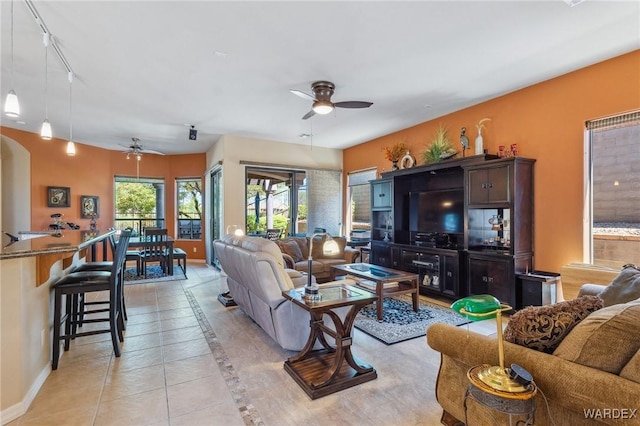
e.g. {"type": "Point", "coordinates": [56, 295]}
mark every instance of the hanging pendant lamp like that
{"type": "Point", "coordinates": [11, 105]}
{"type": "Point", "coordinates": [71, 147]}
{"type": "Point", "coordinates": [46, 132]}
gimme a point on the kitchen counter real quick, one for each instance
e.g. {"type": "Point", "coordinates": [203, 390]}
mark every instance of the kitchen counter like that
{"type": "Point", "coordinates": [50, 247]}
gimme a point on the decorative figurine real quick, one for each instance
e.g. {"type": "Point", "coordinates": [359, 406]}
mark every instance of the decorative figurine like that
{"type": "Point", "coordinates": [464, 140]}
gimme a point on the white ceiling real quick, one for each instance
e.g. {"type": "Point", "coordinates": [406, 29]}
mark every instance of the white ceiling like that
{"type": "Point", "coordinates": [145, 69]}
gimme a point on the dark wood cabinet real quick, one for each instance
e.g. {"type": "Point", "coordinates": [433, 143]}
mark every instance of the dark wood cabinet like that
{"type": "Point", "coordinates": [499, 226]}
{"type": "Point", "coordinates": [482, 257]}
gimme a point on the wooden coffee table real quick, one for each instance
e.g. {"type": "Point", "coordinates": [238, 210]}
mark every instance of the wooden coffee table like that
{"type": "Point", "coordinates": [384, 282]}
{"type": "Point", "coordinates": [331, 369]}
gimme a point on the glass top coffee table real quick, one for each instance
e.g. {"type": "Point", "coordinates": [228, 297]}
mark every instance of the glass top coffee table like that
{"type": "Point", "coordinates": [331, 369]}
{"type": "Point", "coordinates": [384, 282]}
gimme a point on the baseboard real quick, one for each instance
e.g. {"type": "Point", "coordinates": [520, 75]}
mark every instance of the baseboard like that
{"type": "Point", "coordinates": [17, 410]}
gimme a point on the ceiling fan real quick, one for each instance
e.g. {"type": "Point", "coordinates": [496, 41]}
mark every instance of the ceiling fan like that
{"type": "Point", "coordinates": [323, 90]}
{"type": "Point", "coordinates": [136, 150]}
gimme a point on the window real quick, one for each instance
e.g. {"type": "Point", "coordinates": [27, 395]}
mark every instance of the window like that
{"type": "Point", "coordinates": [359, 196]}
{"type": "Point", "coordinates": [139, 203]}
{"type": "Point", "coordinates": [615, 190]}
{"type": "Point", "coordinates": [189, 204]}
{"type": "Point", "coordinates": [276, 199]}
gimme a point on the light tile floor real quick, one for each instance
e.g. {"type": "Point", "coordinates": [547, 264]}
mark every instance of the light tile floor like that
{"type": "Point", "coordinates": [187, 360]}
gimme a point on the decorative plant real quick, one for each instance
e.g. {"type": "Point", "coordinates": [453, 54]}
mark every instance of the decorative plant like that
{"type": "Point", "coordinates": [480, 125]}
{"type": "Point", "coordinates": [440, 147]}
{"type": "Point", "coordinates": [394, 153]}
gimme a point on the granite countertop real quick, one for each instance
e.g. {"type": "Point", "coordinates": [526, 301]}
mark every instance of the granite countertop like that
{"type": "Point", "coordinates": [62, 241]}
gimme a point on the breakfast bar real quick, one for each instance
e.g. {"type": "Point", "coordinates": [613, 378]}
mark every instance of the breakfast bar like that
{"type": "Point", "coordinates": [25, 305]}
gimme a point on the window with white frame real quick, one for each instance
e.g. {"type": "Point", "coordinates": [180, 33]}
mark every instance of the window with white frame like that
{"type": "Point", "coordinates": [614, 159]}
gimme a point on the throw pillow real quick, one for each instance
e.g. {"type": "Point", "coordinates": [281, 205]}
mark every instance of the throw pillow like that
{"type": "Point", "coordinates": [543, 327]}
{"type": "Point", "coordinates": [631, 371]}
{"type": "Point", "coordinates": [606, 339]}
{"type": "Point", "coordinates": [291, 248]}
{"type": "Point", "coordinates": [624, 288]}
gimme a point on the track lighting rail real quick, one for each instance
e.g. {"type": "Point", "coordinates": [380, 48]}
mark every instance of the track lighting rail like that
{"type": "Point", "coordinates": [48, 36]}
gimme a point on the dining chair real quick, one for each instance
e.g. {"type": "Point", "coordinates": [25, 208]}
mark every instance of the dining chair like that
{"type": "Point", "coordinates": [155, 249]}
{"type": "Point", "coordinates": [81, 283]}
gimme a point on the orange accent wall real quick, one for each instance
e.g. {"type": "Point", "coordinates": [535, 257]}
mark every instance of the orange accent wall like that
{"type": "Point", "coordinates": [546, 120]}
{"type": "Point", "coordinates": [91, 172]}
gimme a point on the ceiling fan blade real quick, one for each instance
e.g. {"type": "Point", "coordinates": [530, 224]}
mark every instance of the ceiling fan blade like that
{"type": "Point", "coordinates": [353, 104]}
{"type": "Point", "coordinates": [309, 114]}
{"type": "Point", "coordinates": [302, 95]}
{"type": "Point", "coordinates": [149, 151]}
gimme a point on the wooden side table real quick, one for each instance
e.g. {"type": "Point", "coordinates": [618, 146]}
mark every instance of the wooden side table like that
{"type": "Point", "coordinates": [330, 369]}
{"type": "Point", "coordinates": [515, 404]}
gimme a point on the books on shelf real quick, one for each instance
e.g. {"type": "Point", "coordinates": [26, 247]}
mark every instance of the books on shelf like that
{"type": "Point", "coordinates": [370, 284]}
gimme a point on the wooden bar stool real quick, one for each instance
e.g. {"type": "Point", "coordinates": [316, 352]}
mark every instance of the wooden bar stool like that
{"type": "Point", "coordinates": [77, 283]}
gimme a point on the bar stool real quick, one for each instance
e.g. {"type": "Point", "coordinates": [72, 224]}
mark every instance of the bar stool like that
{"type": "Point", "coordinates": [100, 266]}
{"type": "Point", "coordinates": [77, 283]}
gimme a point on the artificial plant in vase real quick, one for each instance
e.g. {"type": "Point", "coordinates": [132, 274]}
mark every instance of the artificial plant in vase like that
{"type": "Point", "coordinates": [394, 153]}
{"type": "Point", "coordinates": [440, 147]}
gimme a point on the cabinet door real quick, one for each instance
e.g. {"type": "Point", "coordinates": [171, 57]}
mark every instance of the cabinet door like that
{"type": "Point", "coordinates": [477, 186]}
{"type": "Point", "coordinates": [491, 277]}
{"type": "Point", "coordinates": [380, 255]}
{"type": "Point", "coordinates": [449, 275]}
{"type": "Point", "coordinates": [498, 185]}
{"type": "Point", "coordinates": [381, 194]}
{"type": "Point", "coordinates": [489, 185]}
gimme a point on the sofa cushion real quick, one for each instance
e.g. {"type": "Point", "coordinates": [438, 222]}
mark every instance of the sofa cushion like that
{"type": "Point", "coordinates": [631, 371]}
{"type": "Point", "coordinates": [624, 288]}
{"type": "Point", "coordinates": [606, 339]}
{"type": "Point", "coordinates": [291, 248]}
{"type": "Point", "coordinates": [543, 327]}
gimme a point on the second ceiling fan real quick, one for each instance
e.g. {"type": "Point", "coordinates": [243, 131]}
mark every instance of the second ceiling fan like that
{"type": "Point", "coordinates": [323, 90]}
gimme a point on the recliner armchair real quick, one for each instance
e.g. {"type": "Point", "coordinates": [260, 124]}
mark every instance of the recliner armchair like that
{"type": "Point", "coordinates": [256, 277]}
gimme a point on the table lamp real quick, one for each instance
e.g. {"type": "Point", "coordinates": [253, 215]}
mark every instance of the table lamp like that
{"type": "Point", "coordinates": [485, 306]}
{"type": "Point", "coordinates": [235, 230]}
{"type": "Point", "coordinates": [329, 248]}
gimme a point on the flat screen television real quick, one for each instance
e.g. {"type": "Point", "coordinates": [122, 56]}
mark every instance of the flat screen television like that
{"type": "Point", "coordinates": [437, 211]}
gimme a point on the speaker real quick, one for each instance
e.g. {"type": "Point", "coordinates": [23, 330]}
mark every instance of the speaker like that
{"type": "Point", "coordinates": [193, 134]}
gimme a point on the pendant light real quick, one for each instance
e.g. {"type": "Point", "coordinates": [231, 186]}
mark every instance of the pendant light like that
{"type": "Point", "coordinates": [71, 147]}
{"type": "Point", "coordinates": [46, 132]}
{"type": "Point", "coordinates": [12, 106]}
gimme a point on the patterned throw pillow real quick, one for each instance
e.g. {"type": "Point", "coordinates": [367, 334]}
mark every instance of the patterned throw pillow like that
{"type": "Point", "coordinates": [543, 327]}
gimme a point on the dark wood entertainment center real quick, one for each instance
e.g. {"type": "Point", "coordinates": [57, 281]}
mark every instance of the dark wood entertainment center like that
{"type": "Point", "coordinates": [465, 225]}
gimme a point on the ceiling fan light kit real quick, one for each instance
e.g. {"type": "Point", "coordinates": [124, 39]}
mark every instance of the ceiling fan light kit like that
{"type": "Point", "coordinates": [323, 90]}
{"type": "Point", "coordinates": [322, 107]}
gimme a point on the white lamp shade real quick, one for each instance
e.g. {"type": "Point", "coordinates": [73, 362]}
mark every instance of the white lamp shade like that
{"type": "Point", "coordinates": [71, 148]}
{"type": "Point", "coordinates": [322, 107]}
{"type": "Point", "coordinates": [45, 131]}
{"type": "Point", "coordinates": [11, 105]}
{"type": "Point", "coordinates": [330, 247]}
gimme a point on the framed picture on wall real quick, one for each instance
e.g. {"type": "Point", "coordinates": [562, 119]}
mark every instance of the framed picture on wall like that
{"type": "Point", "coordinates": [89, 206]}
{"type": "Point", "coordinates": [58, 196]}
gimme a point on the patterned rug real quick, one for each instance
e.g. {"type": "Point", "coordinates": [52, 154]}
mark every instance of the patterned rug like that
{"type": "Point", "coordinates": [154, 274]}
{"type": "Point", "coordinates": [400, 322]}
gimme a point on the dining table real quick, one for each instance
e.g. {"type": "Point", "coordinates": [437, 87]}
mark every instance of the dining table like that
{"type": "Point", "coordinates": [141, 243]}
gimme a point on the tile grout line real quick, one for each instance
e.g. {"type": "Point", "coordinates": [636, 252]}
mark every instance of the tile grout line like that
{"type": "Point", "coordinates": [248, 412]}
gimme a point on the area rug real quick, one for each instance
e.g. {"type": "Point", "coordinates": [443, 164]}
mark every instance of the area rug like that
{"type": "Point", "coordinates": [154, 274]}
{"type": "Point", "coordinates": [400, 322]}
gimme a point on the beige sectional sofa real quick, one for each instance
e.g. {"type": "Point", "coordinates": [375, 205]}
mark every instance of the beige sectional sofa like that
{"type": "Point", "coordinates": [295, 251]}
